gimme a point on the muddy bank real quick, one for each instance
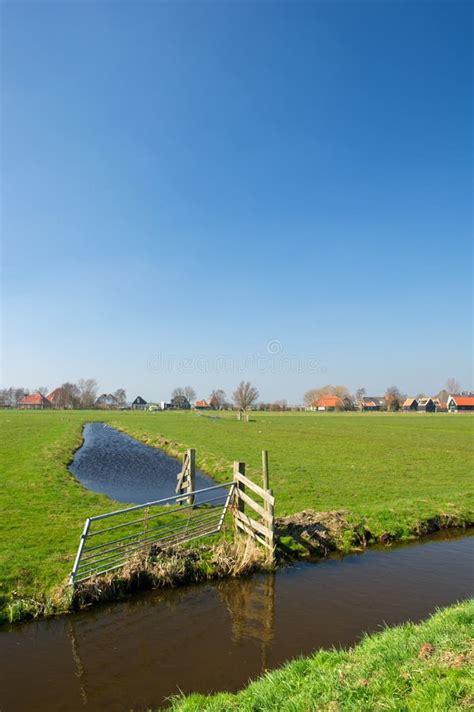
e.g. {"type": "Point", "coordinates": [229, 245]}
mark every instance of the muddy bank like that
{"type": "Point", "coordinates": [183, 566]}
{"type": "Point", "coordinates": [317, 534]}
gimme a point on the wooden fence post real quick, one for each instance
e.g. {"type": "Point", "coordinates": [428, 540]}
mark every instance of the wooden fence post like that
{"type": "Point", "coordinates": [265, 479]}
{"type": "Point", "coordinates": [239, 487]}
{"type": "Point", "coordinates": [191, 474]}
{"type": "Point", "coordinates": [268, 505]}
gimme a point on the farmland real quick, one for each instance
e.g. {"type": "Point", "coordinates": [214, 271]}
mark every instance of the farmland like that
{"type": "Point", "coordinates": [391, 471]}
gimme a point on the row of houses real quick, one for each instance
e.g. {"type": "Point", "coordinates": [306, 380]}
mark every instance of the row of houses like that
{"type": "Point", "coordinates": [55, 399]}
{"type": "Point", "coordinates": [455, 404]}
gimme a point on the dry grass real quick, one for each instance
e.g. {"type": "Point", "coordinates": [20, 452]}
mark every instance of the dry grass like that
{"type": "Point", "coordinates": [174, 567]}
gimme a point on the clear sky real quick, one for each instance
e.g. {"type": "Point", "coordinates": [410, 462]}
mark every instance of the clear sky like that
{"type": "Point", "coordinates": [194, 193]}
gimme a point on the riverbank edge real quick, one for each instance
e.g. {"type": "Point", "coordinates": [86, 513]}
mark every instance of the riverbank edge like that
{"type": "Point", "coordinates": [188, 566]}
{"type": "Point", "coordinates": [307, 535]}
{"type": "Point", "coordinates": [421, 666]}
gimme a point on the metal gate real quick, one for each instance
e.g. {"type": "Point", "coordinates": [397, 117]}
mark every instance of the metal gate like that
{"type": "Point", "coordinates": [136, 529]}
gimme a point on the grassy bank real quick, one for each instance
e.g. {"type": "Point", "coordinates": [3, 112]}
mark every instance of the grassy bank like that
{"type": "Point", "coordinates": [411, 667]}
{"type": "Point", "coordinates": [391, 473]}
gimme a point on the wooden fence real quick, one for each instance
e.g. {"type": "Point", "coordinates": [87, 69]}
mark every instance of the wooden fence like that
{"type": "Point", "coordinates": [195, 514]}
{"type": "Point", "coordinates": [261, 525]}
{"type": "Point", "coordinates": [187, 477]}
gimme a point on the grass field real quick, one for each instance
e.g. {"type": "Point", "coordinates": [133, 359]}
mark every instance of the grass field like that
{"type": "Point", "coordinates": [411, 667]}
{"type": "Point", "coordinates": [392, 471]}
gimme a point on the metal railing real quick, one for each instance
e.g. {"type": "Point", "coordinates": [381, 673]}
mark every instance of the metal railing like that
{"type": "Point", "coordinates": [106, 549]}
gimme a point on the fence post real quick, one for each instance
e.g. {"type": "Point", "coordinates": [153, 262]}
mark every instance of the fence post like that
{"type": "Point", "coordinates": [269, 507]}
{"type": "Point", "coordinates": [239, 487]}
{"type": "Point", "coordinates": [192, 474]}
{"type": "Point", "coordinates": [265, 469]}
{"type": "Point", "coordinates": [77, 561]}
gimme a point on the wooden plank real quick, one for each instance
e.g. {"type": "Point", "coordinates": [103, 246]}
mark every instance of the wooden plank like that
{"type": "Point", "coordinates": [183, 473]}
{"type": "Point", "coordinates": [258, 526]}
{"type": "Point", "coordinates": [243, 527]}
{"type": "Point", "coordinates": [255, 488]}
{"type": "Point", "coordinates": [255, 506]}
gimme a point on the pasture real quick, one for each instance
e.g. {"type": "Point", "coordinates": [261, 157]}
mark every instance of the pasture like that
{"type": "Point", "coordinates": [391, 471]}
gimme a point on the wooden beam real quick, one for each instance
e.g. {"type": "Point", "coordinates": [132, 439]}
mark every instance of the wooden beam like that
{"type": "Point", "coordinates": [253, 524]}
{"type": "Point", "coordinates": [255, 506]}
{"type": "Point", "coordinates": [242, 480]}
{"type": "Point", "coordinates": [253, 534]}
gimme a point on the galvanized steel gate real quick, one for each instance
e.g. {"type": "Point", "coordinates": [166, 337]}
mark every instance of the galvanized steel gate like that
{"type": "Point", "coordinates": [103, 549]}
{"type": "Point", "coordinates": [139, 529]}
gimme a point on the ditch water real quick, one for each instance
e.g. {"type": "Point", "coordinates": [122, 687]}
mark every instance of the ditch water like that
{"type": "Point", "coordinates": [218, 636]}
{"type": "Point", "coordinates": [115, 464]}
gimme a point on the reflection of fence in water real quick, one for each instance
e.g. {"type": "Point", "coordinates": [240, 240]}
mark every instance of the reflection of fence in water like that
{"type": "Point", "coordinates": [251, 606]}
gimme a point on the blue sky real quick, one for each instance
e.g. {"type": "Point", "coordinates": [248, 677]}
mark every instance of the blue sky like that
{"type": "Point", "coordinates": [202, 192]}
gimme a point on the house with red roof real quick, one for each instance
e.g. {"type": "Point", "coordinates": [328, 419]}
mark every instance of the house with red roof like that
{"type": "Point", "coordinates": [329, 403]}
{"type": "Point", "coordinates": [35, 401]}
{"type": "Point", "coordinates": [460, 403]}
{"type": "Point", "coordinates": [202, 405]}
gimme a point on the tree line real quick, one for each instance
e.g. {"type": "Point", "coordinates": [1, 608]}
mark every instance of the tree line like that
{"type": "Point", "coordinates": [83, 394]}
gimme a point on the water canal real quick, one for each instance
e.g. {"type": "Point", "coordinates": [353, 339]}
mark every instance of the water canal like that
{"type": "Point", "coordinates": [218, 636]}
{"type": "Point", "coordinates": [115, 464]}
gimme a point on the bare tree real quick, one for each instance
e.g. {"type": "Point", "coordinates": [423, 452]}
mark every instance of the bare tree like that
{"type": "Point", "coordinates": [453, 386]}
{"type": "Point", "coordinates": [87, 388]}
{"type": "Point", "coordinates": [311, 396]}
{"type": "Point", "coordinates": [217, 399]}
{"type": "Point", "coordinates": [187, 392]}
{"type": "Point", "coordinates": [245, 395]}
{"type": "Point", "coordinates": [190, 393]}
{"type": "Point", "coordinates": [360, 393]}
{"type": "Point", "coordinates": [121, 397]}
{"type": "Point", "coordinates": [69, 396]}
{"type": "Point", "coordinates": [393, 398]}
{"type": "Point", "coordinates": [16, 394]}
{"type": "Point", "coordinates": [44, 390]}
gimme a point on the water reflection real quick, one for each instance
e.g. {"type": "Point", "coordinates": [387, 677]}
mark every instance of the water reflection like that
{"type": "Point", "coordinates": [251, 606]}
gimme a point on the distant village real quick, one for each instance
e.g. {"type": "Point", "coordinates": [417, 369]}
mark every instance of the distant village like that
{"type": "Point", "coordinates": [83, 395]}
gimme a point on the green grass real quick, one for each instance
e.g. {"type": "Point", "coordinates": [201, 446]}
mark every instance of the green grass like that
{"type": "Point", "coordinates": [42, 507]}
{"type": "Point", "coordinates": [426, 667]}
{"type": "Point", "coordinates": [394, 470]}
{"type": "Point", "coordinates": [391, 471]}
